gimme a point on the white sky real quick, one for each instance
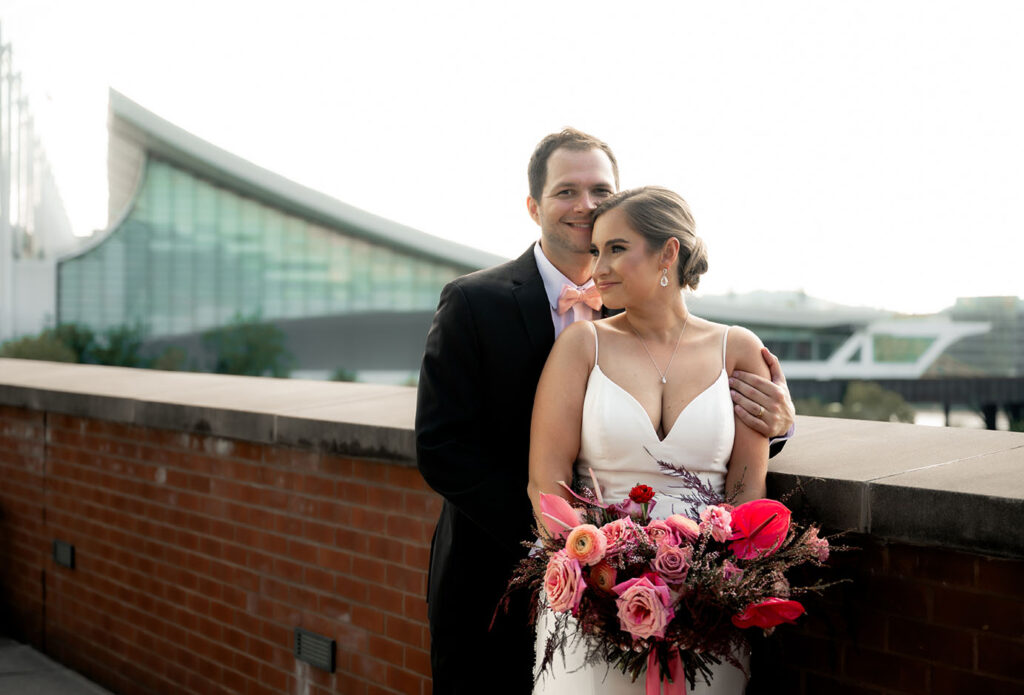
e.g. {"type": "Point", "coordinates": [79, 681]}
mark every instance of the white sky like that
{"type": "Point", "coordinates": [866, 152]}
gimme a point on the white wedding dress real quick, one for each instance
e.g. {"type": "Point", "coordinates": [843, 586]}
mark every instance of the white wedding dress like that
{"type": "Point", "coordinates": [616, 429]}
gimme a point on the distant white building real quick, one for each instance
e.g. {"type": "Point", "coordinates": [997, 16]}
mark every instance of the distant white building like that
{"type": "Point", "coordinates": [970, 355]}
{"type": "Point", "coordinates": [816, 339]}
{"type": "Point", "coordinates": [34, 227]}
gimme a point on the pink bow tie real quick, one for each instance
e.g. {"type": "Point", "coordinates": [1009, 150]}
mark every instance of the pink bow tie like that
{"type": "Point", "coordinates": [571, 296]}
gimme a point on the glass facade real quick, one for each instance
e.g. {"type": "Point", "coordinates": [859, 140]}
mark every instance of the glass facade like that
{"type": "Point", "coordinates": [190, 255]}
{"type": "Point", "coordinates": [896, 348]}
{"type": "Point", "coordinates": [802, 344]}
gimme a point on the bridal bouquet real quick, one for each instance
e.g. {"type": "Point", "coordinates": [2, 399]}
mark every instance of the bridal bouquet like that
{"type": "Point", "coordinates": [670, 596]}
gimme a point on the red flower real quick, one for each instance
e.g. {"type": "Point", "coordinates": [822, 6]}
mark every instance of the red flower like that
{"type": "Point", "coordinates": [759, 527]}
{"type": "Point", "coordinates": [768, 614]}
{"type": "Point", "coordinates": [641, 494]}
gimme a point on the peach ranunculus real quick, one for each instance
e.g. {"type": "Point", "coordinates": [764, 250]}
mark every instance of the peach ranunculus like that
{"type": "Point", "coordinates": [661, 533]}
{"type": "Point", "coordinates": [718, 520]}
{"type": "Point", "coordinates": [644, 606]}
{"type": "Point", "coordinates": [563, 583]}
{"type": "Point", "coordinates": [685, 527]}
{"type": "Point", "coordinates": [673, 562]}
{"type": "Point", "coordinates": [587, 544]}
{"type": "Point", "coordinates": [602, 576]}
{"type": "Point", "coordinates": [619, 532]}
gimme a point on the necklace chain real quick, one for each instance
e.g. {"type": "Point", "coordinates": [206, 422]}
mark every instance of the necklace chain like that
{"type": "Point", "coordinates": [663, 374]}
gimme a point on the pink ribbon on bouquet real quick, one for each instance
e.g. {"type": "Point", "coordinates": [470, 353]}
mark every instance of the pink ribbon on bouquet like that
{"type": "Point", "coordinates": [677, 686]}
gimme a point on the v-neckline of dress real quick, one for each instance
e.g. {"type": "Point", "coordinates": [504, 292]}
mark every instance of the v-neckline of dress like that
{"type": "Point", "coordinates": [647, 418]}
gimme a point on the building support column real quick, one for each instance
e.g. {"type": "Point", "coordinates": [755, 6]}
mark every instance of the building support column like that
{"type": "Point", "coordinates": [988, 412]}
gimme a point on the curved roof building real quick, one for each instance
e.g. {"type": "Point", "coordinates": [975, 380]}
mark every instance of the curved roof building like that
{"type": "Point", "coordinates": [198, 236]}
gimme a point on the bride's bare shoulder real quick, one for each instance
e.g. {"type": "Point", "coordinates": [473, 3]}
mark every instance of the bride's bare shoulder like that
{"type": "Point", "coordinates": [576, 340]}
{"type": "Point", "coordinates": [744, 351]}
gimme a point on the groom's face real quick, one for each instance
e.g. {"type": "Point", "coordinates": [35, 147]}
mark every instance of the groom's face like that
{"type": "Point", "coordinates": [577, 182]}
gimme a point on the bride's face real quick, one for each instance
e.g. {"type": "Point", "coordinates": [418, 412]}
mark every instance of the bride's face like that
{"type": "Point", "coordinates": [626, 272]}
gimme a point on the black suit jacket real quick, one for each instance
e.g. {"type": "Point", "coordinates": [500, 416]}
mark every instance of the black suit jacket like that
{"type": "Point", "coordinates": [484, 354]}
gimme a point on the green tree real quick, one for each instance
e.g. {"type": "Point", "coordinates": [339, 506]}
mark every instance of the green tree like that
{"type": "Point", "coordinates": [44, 346]}
{"type": "Point", "coordinates": [121, 346]}
{"type": "Point", "coordinates": [342, 374]}
{"type": "Point", "coordinates": [80, 339]}
{"type": "Point", "coordinates": [248, 346]}
{"type": "Point", "coordinates": [863, 400]}
{"type": "Point", "coordinates": [172, 359]}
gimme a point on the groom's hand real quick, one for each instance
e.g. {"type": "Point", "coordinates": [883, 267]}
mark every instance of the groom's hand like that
{"type": "Point", "coordinates": [762, 405]}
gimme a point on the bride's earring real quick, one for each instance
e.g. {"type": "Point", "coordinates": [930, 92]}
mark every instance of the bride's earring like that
{"type": "Point", "coordinates": [664, 277]}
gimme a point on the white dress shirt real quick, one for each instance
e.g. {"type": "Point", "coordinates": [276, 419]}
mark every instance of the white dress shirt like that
{"type": "Point", "coordinates": [554, 280]}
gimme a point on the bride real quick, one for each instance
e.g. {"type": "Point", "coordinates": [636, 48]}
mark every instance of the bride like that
{"type": "Point", "coordinates": [649, 384]}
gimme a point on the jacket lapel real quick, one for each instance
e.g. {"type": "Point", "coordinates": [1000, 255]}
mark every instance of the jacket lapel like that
{"type": "Point", "coordinates": [528, 289]}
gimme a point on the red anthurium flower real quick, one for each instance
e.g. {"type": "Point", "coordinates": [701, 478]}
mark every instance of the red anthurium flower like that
{"type": "Point", "coordinates": [759, 527]}
{"type": "Point", "coordinates": [768, 614]}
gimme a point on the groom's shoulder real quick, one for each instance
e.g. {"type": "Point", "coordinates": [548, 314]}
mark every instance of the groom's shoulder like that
{"type": "Point", "coordinates": [497, 278]}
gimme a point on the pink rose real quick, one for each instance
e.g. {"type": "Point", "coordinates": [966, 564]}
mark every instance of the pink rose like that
{"type": "Point", "coordinates": [730, 571]}
{"type": "Point", "coordinates": [644, 606]}
{"type": "Point", "coordinates": [685, 528]}
{"type": "Point", "coordinates": [618, 533]}
{"type": "Point", "coordinates": [818, 545]}
{"type": "Point", "coordinates": [672, 562]}
{"type": "Point", "coordinates": [718, 519]}
{"type": "Point", "coordinates": [661, 533]}
{"type": "Point", "coordinates": [587, 544]}
{"type": "Point", "coordinates": [563, 583]}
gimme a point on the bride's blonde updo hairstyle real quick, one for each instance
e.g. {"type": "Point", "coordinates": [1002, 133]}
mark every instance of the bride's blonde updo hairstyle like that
{"type": "Point", "coordinates": [657, 214]}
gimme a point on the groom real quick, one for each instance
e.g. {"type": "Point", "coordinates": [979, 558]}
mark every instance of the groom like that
{"type": "Point", "coordinates": [485, 350]}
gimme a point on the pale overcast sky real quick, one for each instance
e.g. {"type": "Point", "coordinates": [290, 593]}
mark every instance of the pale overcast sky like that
{"type": "Point", "coordinates": [867, 153]}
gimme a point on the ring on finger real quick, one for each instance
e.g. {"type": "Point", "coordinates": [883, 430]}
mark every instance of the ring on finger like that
{"type": "Point", "coordinates": [761, 411]}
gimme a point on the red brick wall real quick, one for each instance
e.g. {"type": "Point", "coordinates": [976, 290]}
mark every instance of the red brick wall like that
{"type": "Point", "coordinates": [910, 620]}
{"type": "Point", "coordinates": [197, 556]}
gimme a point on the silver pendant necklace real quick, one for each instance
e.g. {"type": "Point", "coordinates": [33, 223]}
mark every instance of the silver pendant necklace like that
{"type": "Point", "coordinates": [663, 374]}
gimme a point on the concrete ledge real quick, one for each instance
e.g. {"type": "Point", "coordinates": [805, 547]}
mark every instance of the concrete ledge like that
{"type": "Point", "coordinates": [934, 486]}
{"type": "Point", "coordinates": [938, 486]}
{"type": "Point", "coordinates": [361, 420]}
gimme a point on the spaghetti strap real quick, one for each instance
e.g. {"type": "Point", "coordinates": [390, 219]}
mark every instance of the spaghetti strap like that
{"type": "Point", "coordinates": [725, 341]}
{"type": "Point", "coordinates": [594, 329]}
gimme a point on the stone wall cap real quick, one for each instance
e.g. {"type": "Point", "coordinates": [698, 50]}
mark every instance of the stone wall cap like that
{"type": "Point", "coordinates": [931, 485]}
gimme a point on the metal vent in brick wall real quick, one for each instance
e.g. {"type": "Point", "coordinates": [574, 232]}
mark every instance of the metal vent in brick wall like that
{"type": "Point", "coordinates": [64, 554]}
{"type": "Point", "coordinates": [314, 649]}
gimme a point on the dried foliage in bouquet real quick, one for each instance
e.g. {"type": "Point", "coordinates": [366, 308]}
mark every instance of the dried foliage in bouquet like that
{"type": "Point", "coordinates": [670, 597]}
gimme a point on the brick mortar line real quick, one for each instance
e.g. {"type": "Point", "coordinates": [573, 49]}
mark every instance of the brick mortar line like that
{"type": "Point", "coordinates": [268, 575]}
{"type": "Point", "coordinates": [212, 476]}
{"type": "Point", "coordinates": [210, 496]}
{"type": "Point", "coordinates": [234, 541]}
{"type": "Point", "coordinates": [167, 641]}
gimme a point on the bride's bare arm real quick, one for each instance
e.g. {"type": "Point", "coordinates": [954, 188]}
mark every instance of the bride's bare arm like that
{"type": "Point", "coordinates": [748, 464]}
{"type": "Point", "coordinates": [558, 413]}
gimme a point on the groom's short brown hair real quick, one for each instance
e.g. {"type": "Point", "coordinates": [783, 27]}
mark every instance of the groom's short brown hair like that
{"type": "Point", "coordinates": [570, 139]}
